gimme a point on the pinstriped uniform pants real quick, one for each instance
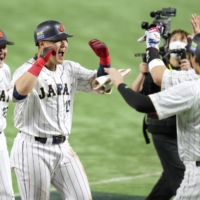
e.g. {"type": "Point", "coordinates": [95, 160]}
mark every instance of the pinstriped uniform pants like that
{"type": "Point", "coordinates": [38, 165]}
{"type": "Point", "coordinates": [6, 190]}
{"type": "Point", "coordinates": [190, 186]}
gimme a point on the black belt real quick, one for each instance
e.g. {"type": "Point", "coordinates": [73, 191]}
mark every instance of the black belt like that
{"type": "Point", "coordinates": [56, 139]}
{"type": "Point", "coordinates": [166, 122]}
{"type": "Point", "coordinates": [198, 163]}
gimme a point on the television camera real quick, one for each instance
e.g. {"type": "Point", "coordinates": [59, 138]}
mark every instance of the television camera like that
{"type": "Point", "coordinates": [165, 22]}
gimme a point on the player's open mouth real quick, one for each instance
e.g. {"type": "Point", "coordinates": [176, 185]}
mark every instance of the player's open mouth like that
{"type": "Point", "coordinates": [1, 59]}
{"type": "Point", "coordinates": [61, 54]}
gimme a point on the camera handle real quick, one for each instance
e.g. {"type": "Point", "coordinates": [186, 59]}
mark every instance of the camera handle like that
{"type": "Point", "coordinates": [143, 55]}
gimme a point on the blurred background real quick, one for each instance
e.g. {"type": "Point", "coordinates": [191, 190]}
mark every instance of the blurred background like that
{"type": "Point", "coordinates": [106, 132]}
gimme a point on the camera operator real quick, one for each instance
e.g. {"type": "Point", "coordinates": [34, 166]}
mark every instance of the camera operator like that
{"type": "Point", "coordinates": [177, 58]}
{"type": "Point", "coordinates": [164, 134]}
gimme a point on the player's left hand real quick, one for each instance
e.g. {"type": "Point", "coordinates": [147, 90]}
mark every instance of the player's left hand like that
{"type": "Point", "coordinates": [152, 36]}
{"type": "Point", "coordinates": [185, 64]}
{"type": "Point", "coordinates": [101, 50]}
{"type": "Point", "coordinates": [115, 76]}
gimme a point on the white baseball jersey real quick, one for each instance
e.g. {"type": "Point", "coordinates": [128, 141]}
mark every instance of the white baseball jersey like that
{"type": "Point", "coordinates": [6, 190]}
{"type": "Point", "coordinates": [5, 79]}
{"type": "Point", "coordinates": [180, 98]}
{"type": "Point", "coordinates": [47, 112]}
{"type": "Point", "coordinates": [173, 77]}
{"type": "Point", "coordinates": [183, 100]}
{"type": "Point", "coordinates": [50, 104]}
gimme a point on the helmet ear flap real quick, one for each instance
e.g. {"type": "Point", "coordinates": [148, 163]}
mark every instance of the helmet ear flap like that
{"type": "Point", "coordinates": [196, 60]}
{"type": "Point", "coordinates": [197, 53]}
{"type": "Point", "coordinates": [195, 46]}
{"type": "Point", "coordinates": [40, 43]}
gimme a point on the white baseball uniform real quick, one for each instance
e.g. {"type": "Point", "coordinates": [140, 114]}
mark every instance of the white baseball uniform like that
{"type": "Point", "coordinates": [6, 190]}
{"type": "Point", "coordinates": [183, 100]}
{"type": "Point", "coordinates": [46, 112]}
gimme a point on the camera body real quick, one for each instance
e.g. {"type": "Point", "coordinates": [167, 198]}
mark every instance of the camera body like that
{"type": "Point", "coordinates": [165, 22]}
{"type": "Point", "coordinates": [180, 52]}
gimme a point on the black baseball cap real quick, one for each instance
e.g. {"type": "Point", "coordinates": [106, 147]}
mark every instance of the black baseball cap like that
{"type": "Point", "coordinates": [3, 39]}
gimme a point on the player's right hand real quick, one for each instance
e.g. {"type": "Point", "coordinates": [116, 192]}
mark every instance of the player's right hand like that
{"type": "Point", "coordinates": [115, 76]}
{"type": "Point", "coordinates": [47, 52]}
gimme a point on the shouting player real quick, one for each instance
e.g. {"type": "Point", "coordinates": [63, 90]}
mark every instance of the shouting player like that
{"type": "Point", "coordinates": [6, 190]}
{"type": "Point", "coordinates": [44, 92]}
{"type": "Point", "coordinates": [181, 97]}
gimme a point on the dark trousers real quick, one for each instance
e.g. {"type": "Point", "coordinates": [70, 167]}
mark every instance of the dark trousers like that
{"type": "Point", "coordinates": [173, 168]}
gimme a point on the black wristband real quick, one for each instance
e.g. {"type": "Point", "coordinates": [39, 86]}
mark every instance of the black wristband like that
{"type": "Point", "coordinates": [151, 54]}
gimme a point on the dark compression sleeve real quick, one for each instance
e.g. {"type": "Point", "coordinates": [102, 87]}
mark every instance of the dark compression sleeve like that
{"type": "Point", "coordinates": [100, 71]}
{"type": "Point", "coordinates": [138, 101]}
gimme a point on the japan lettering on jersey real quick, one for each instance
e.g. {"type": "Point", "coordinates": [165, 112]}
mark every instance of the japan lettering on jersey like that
{"type": "Point", "coordinates": [5, 95]}
{"type": "Point", "coordinates": [47, 110]}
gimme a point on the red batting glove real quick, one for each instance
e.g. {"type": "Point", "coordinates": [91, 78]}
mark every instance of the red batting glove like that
{"type": "Point", "coordinates": [47, 53]}
{"type": "Point", "coordinates": [101, 50]}
{"type": "Point", "coordinates": [42, 60]}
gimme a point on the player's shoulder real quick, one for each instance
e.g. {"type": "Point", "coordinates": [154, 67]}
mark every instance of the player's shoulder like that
{"type": "Point", "coordinates": [192, 85]}
{"type": "Point", "coordinates": [5, 70]}
{"type": "Point", "coordinates": [25, 66]}
{"type": "Point", "coordinates": [6, 67]}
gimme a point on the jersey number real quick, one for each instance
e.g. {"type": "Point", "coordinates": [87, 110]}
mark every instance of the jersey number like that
{"type": "Point", "coordinates": [67, 105]}
{"type": "Point", "coordinates": [4, 111]}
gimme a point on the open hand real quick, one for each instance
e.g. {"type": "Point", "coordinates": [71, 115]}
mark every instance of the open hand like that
{"type": "Point", "coordinates": [115, 76]}
{"type": "Point", "coordinates": [195, 22]}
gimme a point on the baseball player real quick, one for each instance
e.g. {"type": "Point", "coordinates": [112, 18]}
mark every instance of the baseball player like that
{"type": "Point", "coordinates": [6, 190]}
{"type": "Point", "coordinates": [44, 92]}
{"type": "Point", "coordinates": [164, 132]}
{"type": "Point", "coordinates": [182, 100]}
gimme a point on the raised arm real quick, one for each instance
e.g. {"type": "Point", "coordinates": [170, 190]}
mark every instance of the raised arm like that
{"type": "Point", "coordinates": [195, 23]}
{"type": "Point", "coordinates": [25, 83]}
{"type": "Point", "coordinates": [156, 65]}
{"type": "Point", "coordinates": [139, 102]}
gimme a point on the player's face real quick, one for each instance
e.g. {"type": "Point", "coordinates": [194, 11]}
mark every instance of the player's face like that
{"type": "Point", "coordinates": [60, 47]}
{"type": "Point", "coordinates": [3, 53]}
